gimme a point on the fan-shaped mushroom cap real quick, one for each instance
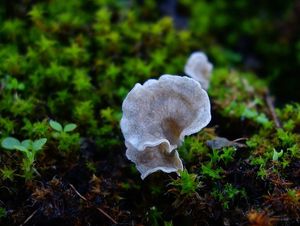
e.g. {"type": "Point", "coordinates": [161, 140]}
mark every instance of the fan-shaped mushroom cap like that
{"type": "Point", "coordinates": [153, 159]}
{"type": "Point", "coordinates": [164, 111]}
{"type": "Point", "coordinates": [199, 68]}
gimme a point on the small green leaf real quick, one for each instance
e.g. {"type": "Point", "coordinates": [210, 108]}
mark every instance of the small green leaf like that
{"type": "Point", "coordinates": [277, 155]}
{"type": "Point", "coordinates": [38, 144]}
{"type": "Point", "coordinates": [70, 127]}
{"type": "Point", "coordinates": [56, 125]}
{"type": "Point", "coordinates": [27, 144]}
{"type": "Point", "coordinates": [21, 148]}
{"type": "Point", "coordinates": [10, 143]}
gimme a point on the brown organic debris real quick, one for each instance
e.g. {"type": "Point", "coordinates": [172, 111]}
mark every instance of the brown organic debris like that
{"type": "Point", "coordinates": [260, 218]}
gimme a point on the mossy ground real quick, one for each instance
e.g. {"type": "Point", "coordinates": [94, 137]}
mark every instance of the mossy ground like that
{"type": "Point", "coordinates": [75, 61]}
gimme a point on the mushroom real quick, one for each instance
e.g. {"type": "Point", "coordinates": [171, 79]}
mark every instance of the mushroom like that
{"type": "Point", "coordinates": [164, 111]}
{"type": "Point", "coordinates": [154, 158]}
{"type": "Point", "coordinates": [199, 68]}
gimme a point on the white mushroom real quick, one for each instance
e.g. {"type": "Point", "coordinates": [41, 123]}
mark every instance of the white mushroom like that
{"type": "Point", "coordinates": [164, 111]}
{"type": "Point", "coordinates": [153, 159]}
{"type": "Point", "coordinates": [199, 68]}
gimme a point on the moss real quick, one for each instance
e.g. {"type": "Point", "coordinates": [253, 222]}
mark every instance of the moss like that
{"type": "Point", "coordinates": [187, 183]}
{"type": "Point", "coordinates": [75, 61]}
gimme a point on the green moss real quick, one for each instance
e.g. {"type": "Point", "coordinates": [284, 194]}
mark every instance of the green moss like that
{"type": "Point", "coordinates": [7, 174]}
{"type": "Point", "coordinates": [187, 183]}
{"type": "Point", "coordinates": [227, 194]}
{"type": "Point", "coordinates": [75, 61]}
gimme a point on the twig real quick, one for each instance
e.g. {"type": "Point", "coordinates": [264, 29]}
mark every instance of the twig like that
{"type": "Point", "coordinates": [28, 218]}
{"type": "Point", "coordinates": [77, 192]}
{"type": "Point", "coordinates": [98, 208]}
{"type": "Point", "coordinates": [109, 217]}
{"type": "Point", "coordinates": [270, 104]}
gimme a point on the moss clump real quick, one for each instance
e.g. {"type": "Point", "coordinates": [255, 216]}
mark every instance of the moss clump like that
{"type": "Point", "coordinates": [75, 61]}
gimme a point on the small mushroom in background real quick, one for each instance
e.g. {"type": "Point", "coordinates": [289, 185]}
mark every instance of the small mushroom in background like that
{"type": "Point", "coordinates": [154, 158]}
{"type": "Point", "coordinates": [199, 68]}
{"type": "Point", "coordinates": [157, 116]}
{"type": "Point", "coordinates": [221, 142]}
